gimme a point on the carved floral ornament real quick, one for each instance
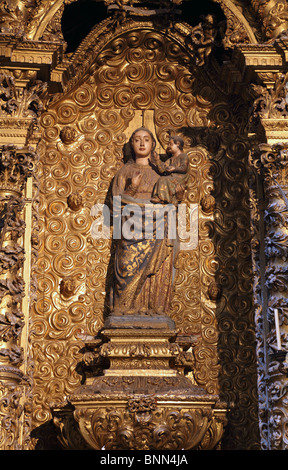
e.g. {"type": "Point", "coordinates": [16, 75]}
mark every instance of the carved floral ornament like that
{"type": "Point", "coordinates": [267, 157]}
{"type": "Point", "coordinates": [272, 102]}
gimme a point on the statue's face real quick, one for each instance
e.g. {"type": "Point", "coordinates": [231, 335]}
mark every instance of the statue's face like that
{"type": "Point", "coordinates": [142, 144]}
{"type": "Point", "coordinates": [172, 147]}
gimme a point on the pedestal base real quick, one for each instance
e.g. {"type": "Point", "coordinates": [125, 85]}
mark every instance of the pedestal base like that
{"type": "Point", "coordinates": [143, 400]}
{"type": "Point", "coordinates": [140, 322]}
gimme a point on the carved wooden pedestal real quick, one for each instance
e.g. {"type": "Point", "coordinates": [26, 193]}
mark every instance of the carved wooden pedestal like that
{"type": "Point", "coordinates": [142, 400]}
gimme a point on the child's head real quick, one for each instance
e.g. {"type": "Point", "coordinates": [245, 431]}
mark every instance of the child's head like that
{"type": "Point", "coordinates": [178, 141]}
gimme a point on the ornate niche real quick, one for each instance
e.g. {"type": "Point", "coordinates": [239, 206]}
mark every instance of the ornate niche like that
{"type": "Point", "coordinates": [132, 77]}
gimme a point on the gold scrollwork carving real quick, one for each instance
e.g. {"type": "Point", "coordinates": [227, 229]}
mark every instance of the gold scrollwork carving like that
{"type": "Point", "coordinates": [111, 97]}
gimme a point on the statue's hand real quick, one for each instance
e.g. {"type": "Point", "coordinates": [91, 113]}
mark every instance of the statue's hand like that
{"type": "Point", "coordinates": [136, 179]}
{"type": "Point", "coordinates": [155, 157]}
{"type": "Point", "coordinates": [170, 169]}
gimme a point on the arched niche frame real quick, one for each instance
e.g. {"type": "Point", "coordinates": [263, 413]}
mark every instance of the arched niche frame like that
{"type": "Point", "coordinates": [211, 284]}
{"type": "Point", "coordinates": [238, 27]}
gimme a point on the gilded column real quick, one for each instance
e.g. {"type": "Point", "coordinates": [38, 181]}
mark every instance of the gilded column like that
{"type": "Point", "coordinates": [265, 65]}
{"type": "Point", "coordinates": [24, 71]}
{"type": "Point", "coordinates": [16, 167]}
{"type": "Point", "coordinates": [271, 163]}
{"type": "Point", "coordinates": [20, 105]}
{"type": "Point", "coordinates": [269, 208]}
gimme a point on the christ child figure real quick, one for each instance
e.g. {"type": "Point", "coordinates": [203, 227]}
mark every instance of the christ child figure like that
{"type": "Point", "coordinates": [174, 173]}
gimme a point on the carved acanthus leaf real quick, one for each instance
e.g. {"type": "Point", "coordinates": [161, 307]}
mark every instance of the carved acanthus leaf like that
{"type": "Point", "coordinates": [18, 102]}
{"type": "Point", "coordinates": [15, 167]}
{"type": "Point", "coordinates": [11, 17]}
{"type": "Point", "coordinates": [271, 102]}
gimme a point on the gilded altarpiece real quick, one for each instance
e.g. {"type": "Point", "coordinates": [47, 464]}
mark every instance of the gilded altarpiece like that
{"type": "Point", "coordinates": [141, 76]}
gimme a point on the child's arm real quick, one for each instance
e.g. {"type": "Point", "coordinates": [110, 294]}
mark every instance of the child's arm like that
{"type": "Point", "coordinates": [155, 160]}
{"type": "Point", "coordinates": [181, 168]}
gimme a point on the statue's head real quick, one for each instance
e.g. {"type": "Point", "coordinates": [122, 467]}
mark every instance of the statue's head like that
{"type": "Point", "coordinates": [178, 141]}
{"type": "Point", "coordinates": [141, 129]}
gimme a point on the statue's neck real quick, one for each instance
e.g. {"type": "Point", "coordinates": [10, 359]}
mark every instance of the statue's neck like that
{"type": "Point", "coordinates": [142, 161]}
{"type": "Point", "coordinates": [177, 153]}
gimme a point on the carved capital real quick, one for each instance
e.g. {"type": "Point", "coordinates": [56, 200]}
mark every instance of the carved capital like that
{"type": "Point", "coordinates": [271, 102]}
{"type": "Point", "coordinates": [273, 15]}
{"type": "Point", "coordinates": [15, 167]}
{"type": "Point", "coordinates": [20, 106]}
{"type": "Point", "coordinates": [270, 107]}
{"type": "Point", "coordinates": [271, 161]}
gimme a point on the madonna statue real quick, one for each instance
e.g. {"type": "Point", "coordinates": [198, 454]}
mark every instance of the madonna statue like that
{"type": "Point", "coordinates": [143, 267]}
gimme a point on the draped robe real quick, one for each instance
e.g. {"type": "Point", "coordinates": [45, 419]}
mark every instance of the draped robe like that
{"type": "Point", "coordinates": [143, 267]}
